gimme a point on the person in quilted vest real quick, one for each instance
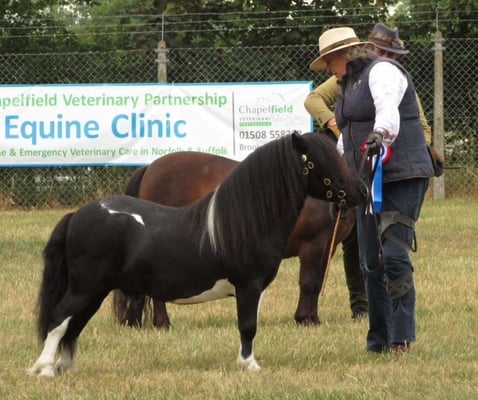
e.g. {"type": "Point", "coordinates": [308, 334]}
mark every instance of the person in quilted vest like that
{"type": "Point", "coordinates": [320, 103]}
{"type": "Point", "coordinates": [383, 139]}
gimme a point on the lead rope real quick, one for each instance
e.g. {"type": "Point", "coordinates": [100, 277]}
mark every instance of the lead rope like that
{"type": "Point", "coordinates": [331, 251]}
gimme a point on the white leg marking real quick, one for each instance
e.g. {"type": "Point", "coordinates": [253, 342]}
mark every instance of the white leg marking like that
{"type": "Point", "coordinates": [250, 363]}
{"type": "Point", "coordinates": [137, 217]}
{"type": "Point", "coordinates": [44, 365]}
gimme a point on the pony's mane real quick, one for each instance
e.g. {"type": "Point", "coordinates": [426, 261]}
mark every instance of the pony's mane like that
{"type": "Point", "coordinates": [266, 190]}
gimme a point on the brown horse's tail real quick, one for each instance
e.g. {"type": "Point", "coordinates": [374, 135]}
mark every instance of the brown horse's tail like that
{"type": "Point", "coordinates": [132, 187]}
{"type": "Point", "coordinates": [120, 305]}
{"type": "Point", "coordinates": [55, 276]}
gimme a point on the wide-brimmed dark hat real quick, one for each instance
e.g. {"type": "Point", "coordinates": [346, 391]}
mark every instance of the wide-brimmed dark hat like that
{"type": "Point", "coordinates": [387, 39]}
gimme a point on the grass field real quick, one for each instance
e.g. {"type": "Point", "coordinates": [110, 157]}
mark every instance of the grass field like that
{"type": "Point", "coordinates": [196, 359]}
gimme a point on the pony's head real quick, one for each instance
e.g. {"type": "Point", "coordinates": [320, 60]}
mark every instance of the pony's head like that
{"type": "Point", "coordinates": [328, 175]}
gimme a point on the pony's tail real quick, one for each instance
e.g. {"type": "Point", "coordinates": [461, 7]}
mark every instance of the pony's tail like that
{"type": "Point", "coordinates": [132, 187]}
{"type": "Point", "coordinates": [55, 276]}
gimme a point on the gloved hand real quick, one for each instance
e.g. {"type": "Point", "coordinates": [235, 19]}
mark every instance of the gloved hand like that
{"type": "Point", "coordinates": [374, 143]}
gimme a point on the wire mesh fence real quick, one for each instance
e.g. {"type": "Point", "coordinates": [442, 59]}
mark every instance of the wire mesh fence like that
{"type": "Point", "coordinates": [71, 186]}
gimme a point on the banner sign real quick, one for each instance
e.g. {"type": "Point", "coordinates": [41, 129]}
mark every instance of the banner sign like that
{"type": "Point", "coordinates": [133, 124]}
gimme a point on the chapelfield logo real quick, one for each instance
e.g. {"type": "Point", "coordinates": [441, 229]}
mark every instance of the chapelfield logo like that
{"type": "Point", "coordinates": [264, 111]}
{"type": "Point", "coordinates": [270, 109]}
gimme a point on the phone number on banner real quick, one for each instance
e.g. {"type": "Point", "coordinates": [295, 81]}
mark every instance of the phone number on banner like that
{"type": "Point", "coordinates": [271, 134]}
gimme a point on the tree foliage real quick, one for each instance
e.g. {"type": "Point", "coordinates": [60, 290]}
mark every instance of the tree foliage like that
{"type": "Point", "coordinates": [89, 25]}
{"type": "Point", "coordinates": [422, 18]}
{"type": "Point", "coordinates": [204, 23]}
{"type": "Point", "coordinates": [36, 26]}
{"type": "Point", "coordinates": [135, 24]}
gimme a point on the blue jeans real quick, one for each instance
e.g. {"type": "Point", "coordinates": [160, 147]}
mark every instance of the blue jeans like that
{"type": "Point", "coordinates": [391, 320]}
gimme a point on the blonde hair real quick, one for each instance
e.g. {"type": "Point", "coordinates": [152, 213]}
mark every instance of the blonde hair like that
{"type": "Point", "coordinates": [358, 52]}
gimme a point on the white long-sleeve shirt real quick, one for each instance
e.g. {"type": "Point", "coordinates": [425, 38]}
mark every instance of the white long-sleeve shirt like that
{"type": "Point", "coordinates": [387, 85]}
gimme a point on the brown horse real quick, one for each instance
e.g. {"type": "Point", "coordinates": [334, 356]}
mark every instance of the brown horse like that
{"type": "Point", "coordinates": [181, 178]}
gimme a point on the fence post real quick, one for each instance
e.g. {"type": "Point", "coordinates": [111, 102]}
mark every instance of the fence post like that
{"type": "Point", "coordinates": [438, 113]}
{"type": "Point", "coordinates": [162, 61]}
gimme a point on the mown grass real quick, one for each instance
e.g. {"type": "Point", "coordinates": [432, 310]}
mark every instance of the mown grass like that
{"type": "Point", "coordinates": [196, 359]}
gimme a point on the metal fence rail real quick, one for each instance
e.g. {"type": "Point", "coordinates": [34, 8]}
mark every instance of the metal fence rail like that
{"type": "Point", "coordinates": [69, 186]}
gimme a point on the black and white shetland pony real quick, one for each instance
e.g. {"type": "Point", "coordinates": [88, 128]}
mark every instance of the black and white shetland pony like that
{"type": "Point", "coordinates": [230, 243]}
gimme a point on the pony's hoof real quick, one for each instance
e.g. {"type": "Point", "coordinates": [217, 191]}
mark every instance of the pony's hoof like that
{"type": "Point", "coordinates": [254, 367]}
{"type": "Point", "coordinates": [65, 368]}
{"type": "Point", "coordinates": [45, 371]}
{"type": "Point", "coordinates": [248, 364]}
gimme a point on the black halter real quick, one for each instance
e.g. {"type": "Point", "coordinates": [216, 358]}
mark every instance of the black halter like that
{"type": "Point", "coordinates": [341, 194]}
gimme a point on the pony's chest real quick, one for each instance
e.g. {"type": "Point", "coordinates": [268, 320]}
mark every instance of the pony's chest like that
{"type": "Point", "coordinates": [221, 289]}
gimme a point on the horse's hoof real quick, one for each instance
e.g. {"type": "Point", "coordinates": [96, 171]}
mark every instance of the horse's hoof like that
{"type": "Point", "coordinates": [308, 321]}
{"type": "Point", "coordinates": [164, 326]}
{"type": "Point", "coordinates": [133, 324]}
{"type": "Point", "coordinates": [254, 368]}
{"type": "Point", "coordinates": [248, 364]}
{"type": "Point", "coordinates": [45, 371]}
{"type": "Point", "coordinates": [63, 368]}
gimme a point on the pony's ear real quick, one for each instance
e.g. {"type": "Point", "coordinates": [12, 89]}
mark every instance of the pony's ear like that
{"type": "Point", "coordinates": [299, 143]}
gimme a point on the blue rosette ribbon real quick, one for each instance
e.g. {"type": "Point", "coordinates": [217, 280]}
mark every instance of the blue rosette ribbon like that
{"type": "Point", "coordinates": [377, 182]}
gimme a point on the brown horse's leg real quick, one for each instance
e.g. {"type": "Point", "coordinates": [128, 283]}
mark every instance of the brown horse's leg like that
{"type": "Point", "coordinates": [312, 270]}
{"type": "Point", "coordinates": [354, 277]}
{"type": "Point", "coordinates": [160, 315]}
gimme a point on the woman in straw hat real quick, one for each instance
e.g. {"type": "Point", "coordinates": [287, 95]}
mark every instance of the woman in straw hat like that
{"type": "Point", "coordinates": [320, 104]}
{"type": "Point", "coordinates": [378, 116]}
{"type": "Point", "coordinates": [320, 101]}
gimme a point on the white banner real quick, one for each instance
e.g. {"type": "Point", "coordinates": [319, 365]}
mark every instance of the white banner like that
{"type": "Point", "coordinates": [133, 124]}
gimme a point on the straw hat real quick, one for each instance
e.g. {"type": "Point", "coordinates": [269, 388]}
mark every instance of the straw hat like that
{"type": "Point", "coordinates": [387, 39]}
{"type": "Point", "coordinates": [333, 40]}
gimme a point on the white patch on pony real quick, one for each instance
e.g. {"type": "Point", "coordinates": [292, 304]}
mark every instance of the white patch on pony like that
{"type": "Point", "coordinates": [137, 217]}
{"type": "Point", "coordinates": [221, 289]}
{"type": "Point", "coordinates": [261, 297]}
{"type": "Point", "coordinates": [210, 221]}
{"type": "Point", "coordinates": [44, 365]}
